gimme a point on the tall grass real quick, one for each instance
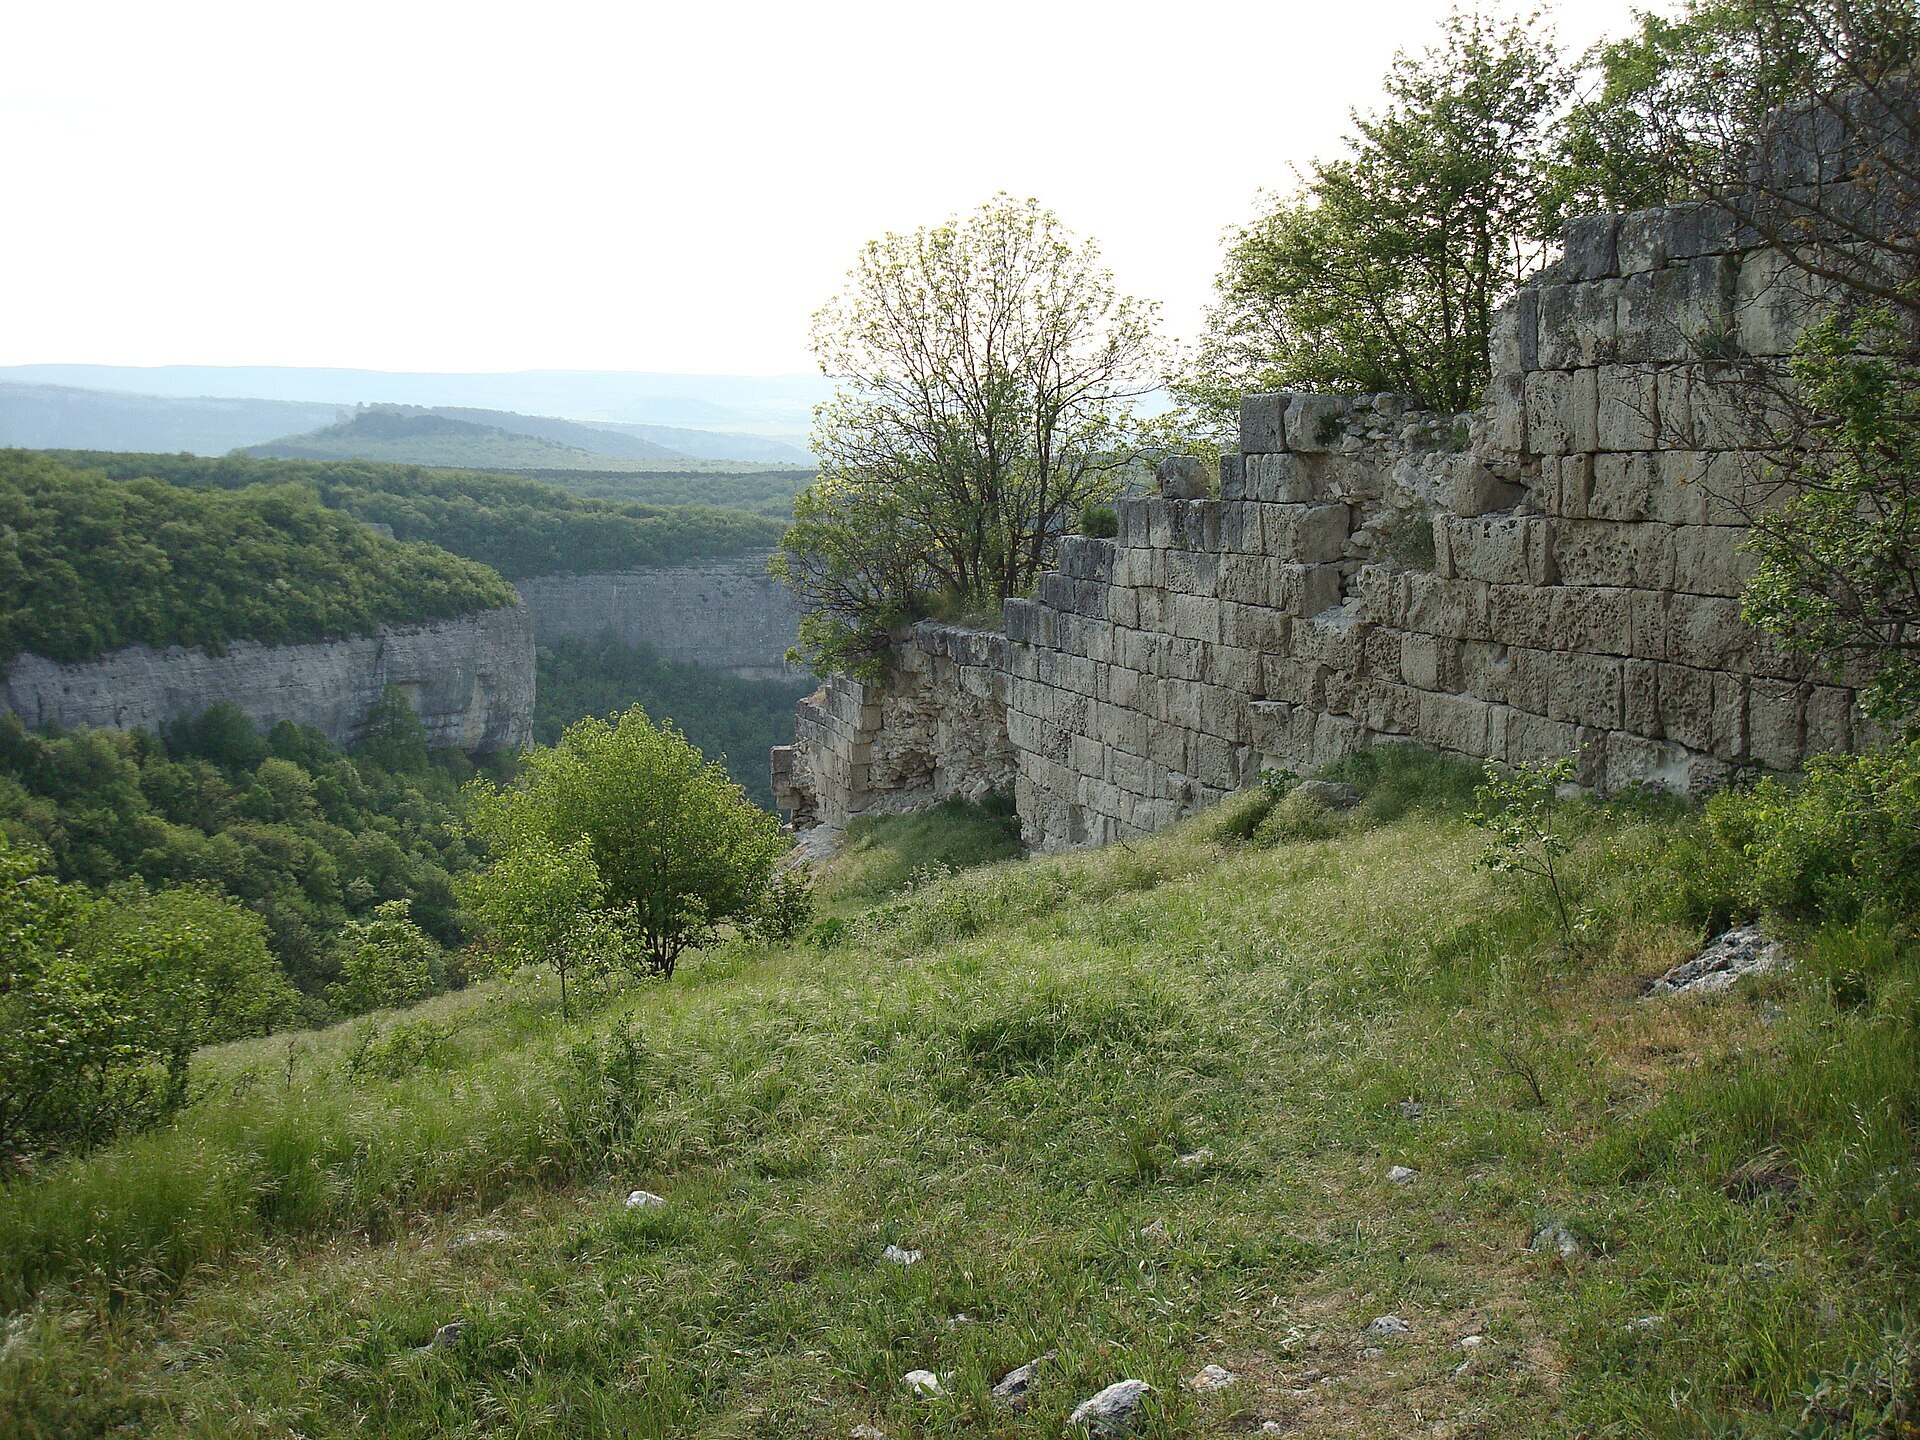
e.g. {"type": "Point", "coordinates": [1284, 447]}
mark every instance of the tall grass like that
{"type": "Point", "coordinates": [1136, 1107]}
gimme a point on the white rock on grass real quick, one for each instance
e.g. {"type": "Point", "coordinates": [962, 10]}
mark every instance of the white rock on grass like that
{"type": "Point", "coordinates": [1011, 1388]}
{"type": "Point", "coordinates": [1385, 1326]}
{"type": "Point", "coordinates": [445, 1338]}
{"type": "Point", "coordinates": [1196, 1159]}
{"type": "Point", "coordinates": [1727, 960]}
{"type": "Point", "coordinates": [1154, 1230]}
{"type": "Point", "coordinates": [644, 1200]}
{"type": "Point", "coordinates": [866, 1432]}
{"type": "Point", "coordinates": [893, 1254]}
{"type": "Point", "coordinates": [925, 1382]}
{"type": "Point", "coordinates": [1116, 1410]}
{"type": "Point", "coordinates": [1211, 1378]}
{"type": "Point", "coordinates": [477, 1239]}
{"type": "Point", "coordinates": [1556, 1239]}
{"type": "Point", "coordinates": [1403, 1174]}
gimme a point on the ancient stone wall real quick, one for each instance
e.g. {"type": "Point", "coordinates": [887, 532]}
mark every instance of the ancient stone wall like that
{"type": "Point", "coordinates": [725, 614]}
{"type": "Point", "coordinates": [470, 680]}
{"type": "Point", "coordinates": [1560, 575]}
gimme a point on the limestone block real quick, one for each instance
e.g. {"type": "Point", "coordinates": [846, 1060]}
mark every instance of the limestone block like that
{"type": "Point", "coordinates": [1682, 311]}
{"type": "Point", "coordinates": [1641, 692]}
{"type": "Point", "coordinates": [1233, 673]}
{"type": "Point", "coordinates": [1381, 591]}
{"type": "Point", "coordinates": [1194, 524]}
{"type": "Point", "coordinates": [1774, 299]}
{"type": "Point", "coordinates": [1648, 623]}
{"type": "Point", "coordinates": [1707, 631]}
{"type": "Point", "coordinates": [1428, 662]}
{"type": "Point", "coordinates": [1533, 738]}
{"type": "Point", "coordinates": [1628, 414]}
{"type": "Point", "coordinates": [1690, 710]}
{"type": "Point", "coordinates": [1619, 487]}
{"type": "Point", "coordinates": [1134, 526]}
{"type": "Point", "coordinates": [1436, 606]}
{"type": "Point", "coordinates": [1263, 423]}
{"type": "Point", "coordinates": [1587, 690]}
{"type": "Point", "coordinates": [1587, 248]}
{"type": "Point", "coordinates": [1776, 723]}
{"type": "Point", "coordinates": [1233, 477]}
{"type": "Point", "coordinates": [1194, 617]}
{"type": "Point", "coordinates": [1708, 560]}
{"type": "Point", "coordinates": [1701, 227]}
{"type": "Point", "coordinates": [1472, 489]}
{"type": "Point", "coordinates": [1269, 725]}
{"type": "Point", "coordinates": [1253, 627]}
{"type": "Point", "coordinates": [1301, 682]}
{"type": "Point", "coordinates": [1310, 534]}
{"type": "Point", "coordinates": [1633, 760]}
{"type": "Point", "coordinates": [1240, 528]}
{"type": "Point", "coordinates": [1545, 398]}
{"type": "Point", "coordinates": [1193, 572]}
{"type": "Point", "coordinates": [1304, 589]}
{"type": "Point", "coordinates": [1123, 607]}
{"type": "Point", "coordinates": [1500, 549]}
{"type": "Point", "coordinates": [1736, 487]}
{"type": "Point", "coordinates": [1336, 640]}
{"type": "Point", "coordinates": [1829, 719]}
{"type": "Point", "coordinates": [1614, 553]}
{"type": "Point", "coordinates": [1559, 617]}
{"type": "Point", "coordinates": [1505, 427]}
{"type": "Point", "coordinates": [1182, 477]}
{"type": "Point", "coordinates": [1459, 722]}
{"type": "Point", "coordinates": [1578, 325]}
{"type": "Point", "coordinates": [1283, 479]}
{"type": "Point", "coordinates": [1563, 485]}
{"type": "Point", "coordinates": [1516, 334]}
{"type": "Point", "coordinates": [1316, 422]}
{"type": "Point", "coordinates": [1643, 241]}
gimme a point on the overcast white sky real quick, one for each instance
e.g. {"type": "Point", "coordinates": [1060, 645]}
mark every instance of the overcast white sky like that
{"type": "Point", "coordinates": [484, 187]}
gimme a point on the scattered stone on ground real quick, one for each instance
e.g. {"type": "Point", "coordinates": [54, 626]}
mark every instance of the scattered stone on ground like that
{"type": "Point", "coordinates": [1556, 1239]}
{"type": "Point", "coordinates": [1402, 1174]}
{"type": "Point", "coordinates": [1645, 1322]}
{"type": "Point", "coordinates": [1195, 1159]}
{"type": "Point", "coordinates": [644, 1200]}
{"type": "Point", "coordinates": [1372, 1352]}
{"type": "Point", "coordinates": [1272, 1427]}
{"type": "Point", "coordinates": [1155, 1230]}
{"type": "Point", "coordinates": [1386, 1325]}
{"type": "Point", "coordinates": [445, 1338]}
{"type": "Point", "coordinates": [898, 1256]}
{"type": "Point", "coordinates": [866, 1432]}
{"type": "Point", "coordinates": [1472, 1342]}
{"type": "Point", "coordinates": [1011, 1388]}
{"type": "Point", "coordinates": [1116, 1410]}
{"type": "Point", "coordinates": [475, 1239]}
{"type": "Point", "coordinates": [1461, 1370]}
{"type": "Point", "coordinates": [1330, 793]}
{"type": "Point", "coordinates": [925, 1382]}
{"type": "Point", "coordinates": [958, 1320]}
{"type": "Point", "coordinates": [1727, 960]}
{"type": "Point", "coordinates": [1212, 1377]}
{"type": "Point", "coordinates": [1411, 1109]}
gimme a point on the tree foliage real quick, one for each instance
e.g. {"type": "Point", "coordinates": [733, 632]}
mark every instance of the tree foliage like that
{"type": "Point", "coordinates": [539, 903]}
{"type": "Point", "coordinates": [1383, 270]}
{"type": "Point", "coordinates": [386, 960]}
{"type": "Point", "coordinates": [676, 848]}
{"type": "Point", "coordinates": [518, 526]}
{"type": "Point", "coordinates": [986, 370]}
{"type": "Point", "coordinates": [88, 564]}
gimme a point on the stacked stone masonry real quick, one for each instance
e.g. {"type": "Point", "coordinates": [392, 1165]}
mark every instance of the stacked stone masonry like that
{"type": "Point", "coordinates": [1557, 575]}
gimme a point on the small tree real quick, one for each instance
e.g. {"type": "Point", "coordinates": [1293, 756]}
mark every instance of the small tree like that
{"type": "Point", "coordinates": [676, 845]}
{"type": "Point", "coordinates": [536, 901]}
{"type": "Point", "coordinates": [1517, 808]}
{"type": "Point", "coordinates": [987, 369]}
{"type": "Point", "coordinates": [1383, 272]}
{"type": "Point", "coordinates": [389, 961]}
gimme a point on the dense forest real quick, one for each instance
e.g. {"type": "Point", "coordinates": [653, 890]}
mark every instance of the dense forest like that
{"type": "Point", "coordinates": [299, 833]}
{"type": "Point", "coordinates": [520, 527]}
{"type": "Point", "coordinates": [728, 718]}
{"type": "Point", "coordinates": [88, 565]}
{"type": "Point", "coordinates": [410, 436]}
{"type": "Point", "coordinates": [766, 492]}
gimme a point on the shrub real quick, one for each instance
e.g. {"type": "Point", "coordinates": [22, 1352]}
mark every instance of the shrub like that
{"type": "Point", "coordinates": [1841, 845]}
{"type": "Point", "coordinates": [1101, 522]}
{"type": "Point", "coordinates": [389, 961]}
{"type": "Point", "coordinates": [786, 906]}
{"type": "Point", "coordinates": [1299, 816]}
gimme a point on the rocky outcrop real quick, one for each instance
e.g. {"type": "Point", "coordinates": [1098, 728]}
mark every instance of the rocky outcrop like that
{"type": "Point", "coordinates": [470, 680]}
{"type": "Point", "coordinates": [726, 614]}
{"type": "Point", "coordinates": [1558, 575]}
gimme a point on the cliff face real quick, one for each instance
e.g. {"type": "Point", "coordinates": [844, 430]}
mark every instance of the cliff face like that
{"type": "Point", "coordinates": [724, 614]}
{"type": "Point", "coordinates": [470, 680]}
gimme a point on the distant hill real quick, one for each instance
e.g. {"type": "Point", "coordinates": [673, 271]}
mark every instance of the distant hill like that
{"type": "Point", "coordinates": [406, 436]}
{"type": "Point", "coordinates": [36, 417]}
{"type": "Point", "coordinates": [707, 445]}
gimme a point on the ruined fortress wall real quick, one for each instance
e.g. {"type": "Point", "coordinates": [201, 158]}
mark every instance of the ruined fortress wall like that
{"type": "Point", "coordinates": [1558, 576]}
{"type": "Point", "coordinates": [470, 680]}
{"type": "Point", "coordinates": [727, 614]}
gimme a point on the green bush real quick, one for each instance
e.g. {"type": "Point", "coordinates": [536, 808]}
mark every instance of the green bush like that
{"type": "Point", "coordinates": [388, 961]}
{"type": "Point", "coordinates": [1841, 845]}
{"type": "Point", "coordinates": [1101, 522]}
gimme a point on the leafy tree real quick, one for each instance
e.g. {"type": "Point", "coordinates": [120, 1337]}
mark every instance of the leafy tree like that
{"type": "Point", "coordinates": [677, 847]}
{"type": "Point", "coordinates": [537, 903]}
{"type": "Point", "coordinates": [986, 371]}
{"type": "Point", "coordinates": [1383, 271]}
{"type": "Point", "coordinates": [389, 961]}
{"type": "Point", "coordinates": [1517, 808]}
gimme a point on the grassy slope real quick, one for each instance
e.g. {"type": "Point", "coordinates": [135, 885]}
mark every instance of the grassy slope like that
{"type": "Point", "coordinates": [1001, 1070]}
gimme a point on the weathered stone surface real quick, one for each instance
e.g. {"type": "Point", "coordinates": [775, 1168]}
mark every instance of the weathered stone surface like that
{"type": "Point", "coordinates": [1727, 960]}
{"type": "Point", "coordinates": [470, 680]}
{"type": "Point", "coordinates": [1117, 1410]}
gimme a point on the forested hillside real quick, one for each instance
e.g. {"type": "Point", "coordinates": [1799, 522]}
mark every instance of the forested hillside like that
{"type": "Point", "coordinates": [766, 492]}
{"type": "Point", "coordinates": [90, 563]}
{"type": "Point", "coordinates": [518, 526]}
{"type": "Point", "coordinates": [425, 437]}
